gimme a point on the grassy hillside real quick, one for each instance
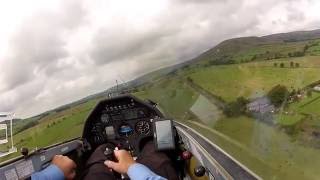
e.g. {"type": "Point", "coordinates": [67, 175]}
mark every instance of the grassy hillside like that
{"type": "Point", "coordinates": [54, 128]}
{"type": "Point", "coordinates": [266, 150]}
{"type": "Point", "coordinates": [255, 79]}
{"type": "Point", "coordinates": [248, 49]}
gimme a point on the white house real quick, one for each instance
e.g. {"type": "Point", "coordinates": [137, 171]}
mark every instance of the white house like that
{"type": "Point", "coordinates": [316, 88]}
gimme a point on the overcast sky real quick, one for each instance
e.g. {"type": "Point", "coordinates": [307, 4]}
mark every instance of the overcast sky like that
{"type": "Point", "coordinates": [54, 52]}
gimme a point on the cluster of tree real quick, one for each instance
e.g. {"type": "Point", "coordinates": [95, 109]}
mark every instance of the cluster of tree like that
{"type": "Point", "coordinates": [26, 126]}
{"type": "Point", "coordinates": [282, 65]}
{"type": "Point", "coordinates": [189, 79]}
{"type": "Point", "coordinates": [236, 108]}
{"type": "Point", "coordinates": [314, 43]}
{"type": "Point", "coordinates": [278, 95]}
{"type": "Point", "coordinates": [296, 54]}
{"type": "Point", "coordinates": [303, 52]}
{"type": "Point", "coordinates": [254, 57]}
{"type": "Point", "coordinates": [267, 55]}
{"type": "Point", "coordinates": [54, 123]}
{"type": "Point", "coordinates": [221, 62]}
{"type": "Point", "coordinates": [277, 55]}
{"type": "Point", "coordinates": [294, 93]}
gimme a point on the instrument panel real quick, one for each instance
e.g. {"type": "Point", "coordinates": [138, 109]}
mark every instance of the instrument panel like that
{"type": "Point", "coordinates": [124, 121]}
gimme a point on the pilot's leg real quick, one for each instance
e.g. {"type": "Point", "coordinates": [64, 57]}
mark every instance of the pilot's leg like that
{"type": "Point", "coordinates": [95, 169]}
{"type": "Point", "coordinates": [158, 162]}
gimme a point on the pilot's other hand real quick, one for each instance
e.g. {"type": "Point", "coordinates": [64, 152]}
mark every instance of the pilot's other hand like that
{"type": "Point", "coordinates": [66, 165]}
{"type": "Point", "coordinates": [125, 160]}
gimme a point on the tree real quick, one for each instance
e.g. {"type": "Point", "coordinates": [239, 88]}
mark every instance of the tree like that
{"type": "Point", "coordinates": [282, 65]}
{"type": "Point", "coordinates": [298, 54]}
{"type": "Point", "coordinates": [275, 64]}
{"type": "Point", "coordinates": [305, 48]}
{"type": "Point", "coordinates": [189, 79]}
{"type": "Point", "coordinates": [254, 57]}
{"type": "Point", "coordinates": [309, 93]}
{"type": "Point", "coordinates": [277, 56]}
{"type": "Point", "coordinates": [237, 107]}
{"type": "Point", "coordinates": [293, 92]}
{"type": "Point", "coordinates": [297, 65]}
{"type": "Point", "coordinates": [278, 95]}
{"type": "Point", "coordinates": [291, 64]}
{"type": "Point", "coordinates": [299, 91]}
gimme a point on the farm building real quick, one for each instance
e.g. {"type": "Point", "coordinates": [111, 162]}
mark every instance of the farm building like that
{"type": "Point", "coordinates": [316, 88]}
{"type": "Point", "coordinates": [260, 105]}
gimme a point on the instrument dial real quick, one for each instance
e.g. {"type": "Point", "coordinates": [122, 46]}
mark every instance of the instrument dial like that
{"type": "Point", "coordinates": [125, 129]}
{"type": "Point", "coordinates": [97, 133]}
{"type": "Point", "coordinates": [143, 127]}
{"type": "Point", "coordinates": [105, 118]}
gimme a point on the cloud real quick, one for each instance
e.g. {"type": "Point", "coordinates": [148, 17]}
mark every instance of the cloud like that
{"type": "Point", "coordinates": [39, 43]}
{"type": "Point", "coordinates": [34, 52]}
{"type": "Point", "coordinates": [65, 51]}
{"type": "Point", "coordinates": [119, 43]}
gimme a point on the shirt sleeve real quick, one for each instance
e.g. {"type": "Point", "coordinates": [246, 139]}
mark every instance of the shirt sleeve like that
{"type": "Point", "coordinates": [140, 172]}
{"type": "Point", "coordinates": [52, 172]}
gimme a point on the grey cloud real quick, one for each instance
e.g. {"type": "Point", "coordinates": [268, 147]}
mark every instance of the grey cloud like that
{"type": "Point", "coordinates": [35, 49]}
{"type": "Point", "coordinates": [21, 96]}
{"type": "Point", "coordinates": [296, 16]}
{"type": "Point", "coordinates": [201, 2]}
{"type": "Point", "coordinates": [294, 13]}
{"type": "Point", "coordinates": [39, 43]}
{"type": "Point", "coordinates": [177, 34]}
{"type": "Point", "coordinates": [196, 1]}
{"type": "Point", "coordinates": [118, 43]}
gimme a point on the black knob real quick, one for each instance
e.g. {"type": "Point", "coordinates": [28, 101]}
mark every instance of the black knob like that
{"type": "Point", "coordinates": [108, 152]}
{"type": "Point", "coordinates": [199, 171]}
{"type": "Point", "coordinates": [24, 151]}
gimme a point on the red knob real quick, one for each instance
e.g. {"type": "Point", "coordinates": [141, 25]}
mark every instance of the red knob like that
{"type": "Point", "coordinates": [186, 155]}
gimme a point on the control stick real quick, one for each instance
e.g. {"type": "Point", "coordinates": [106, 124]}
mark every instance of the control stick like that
{"type": "Point", "coordinates": [108, 152]}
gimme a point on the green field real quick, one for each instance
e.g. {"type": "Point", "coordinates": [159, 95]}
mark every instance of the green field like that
{"type": "Point", "coordinates": [54, 128]}
{"type": "Point", "coordinates": [308, 105]}
{"type": "Point", "coordinates": [270, 50]}
{"type": "Point", "coordinates": [266, 150]}
{"type": "Point", "coordinates": [255, 79]}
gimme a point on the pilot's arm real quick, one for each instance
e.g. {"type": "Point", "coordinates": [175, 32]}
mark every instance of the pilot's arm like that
{"type": "Point", "coordinates": [126, 165]}
{"type": "Point", "coordinates": [61, 168]}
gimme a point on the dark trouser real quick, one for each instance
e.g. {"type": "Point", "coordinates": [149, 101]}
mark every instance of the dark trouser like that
{"type": "Point", "coordinates": [158, 162]}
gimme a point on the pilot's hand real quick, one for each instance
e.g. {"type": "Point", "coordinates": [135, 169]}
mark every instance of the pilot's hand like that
{"type": "Point", "coordinates": [125, 160]}
{"type": "Point", "coordinates": [66, 165]}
